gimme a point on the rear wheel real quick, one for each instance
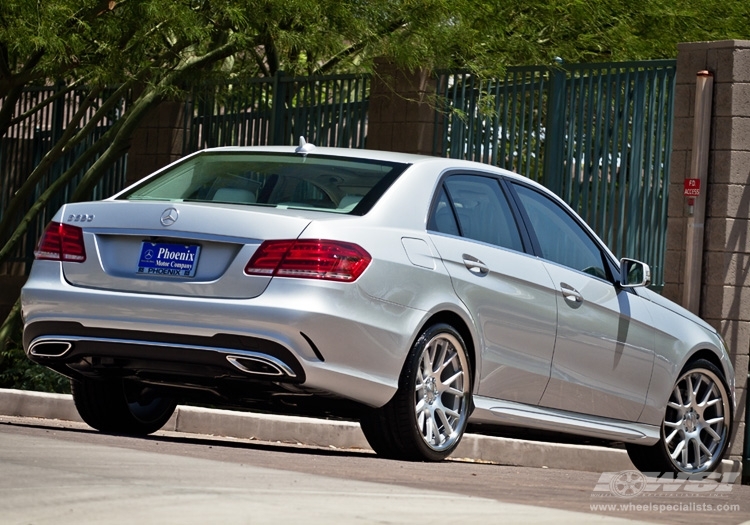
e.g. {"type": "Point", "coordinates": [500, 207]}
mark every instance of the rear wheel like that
{"type": "Point", "coordinates": [121, 407]}
{"type": "Point", "coordinates": [427, 416]}
{"type": "Point", "coordinates": [695, 431]}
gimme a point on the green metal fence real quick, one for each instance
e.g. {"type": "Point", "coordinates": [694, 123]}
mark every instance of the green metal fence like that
{"type": "Point", "coordinates": [599, 135]}
{"type": "Point", "coordinates": [494, 121]}
{"type": "Point", "coordinates": [326, 110]}
{"type": "Point", "coordinates": [40, 117]}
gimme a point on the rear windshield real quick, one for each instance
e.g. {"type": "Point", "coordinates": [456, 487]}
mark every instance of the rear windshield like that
{"type": "Point", "coordinates": [335, 184]}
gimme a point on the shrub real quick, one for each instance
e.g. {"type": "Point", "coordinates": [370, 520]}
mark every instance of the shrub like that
{"type": "Point", "coordinates": [16, 371]}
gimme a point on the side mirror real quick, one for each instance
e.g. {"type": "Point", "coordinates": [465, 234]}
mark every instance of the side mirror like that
{"type": "Point", "coordinates": [634, 273]}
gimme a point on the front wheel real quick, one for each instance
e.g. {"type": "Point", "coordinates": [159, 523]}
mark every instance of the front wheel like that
{"type": "Point", "coordinates": [119, 407]}
{"type": "Point", "coordinates": [697, 422]}
{"type": "Point", "coordinates": [427, 416]}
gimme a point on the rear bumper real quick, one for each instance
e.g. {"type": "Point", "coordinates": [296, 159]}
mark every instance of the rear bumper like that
{"type": "Point", "coordinates": [327, 338]}
{"type": "Point", "coordinates": [100, 352]}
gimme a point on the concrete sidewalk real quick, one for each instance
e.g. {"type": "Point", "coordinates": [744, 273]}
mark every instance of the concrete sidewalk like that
{"type": "Point", "coordinates": [336, 434]}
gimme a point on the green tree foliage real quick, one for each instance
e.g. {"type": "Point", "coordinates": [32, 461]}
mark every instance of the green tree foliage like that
{"type": "Point", "coordinates": [156, 48]}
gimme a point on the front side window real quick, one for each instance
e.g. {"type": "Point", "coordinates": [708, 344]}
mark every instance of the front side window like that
{"type": "Point", "coordinates": [341, 185]}
{"type": "Point", "coordinates": [561, 238]}
{"type": "Point", "coordinates": [475, 207]}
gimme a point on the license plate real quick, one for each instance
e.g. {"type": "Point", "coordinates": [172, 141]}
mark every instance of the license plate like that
{"type": "Point", "coordinates": [179, 260]}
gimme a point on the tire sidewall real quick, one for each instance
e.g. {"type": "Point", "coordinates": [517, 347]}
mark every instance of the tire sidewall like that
{"type": "Point", "coordinates": [104, 405]}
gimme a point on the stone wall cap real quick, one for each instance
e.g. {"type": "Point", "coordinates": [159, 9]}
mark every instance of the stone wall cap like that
{"type": "Point", "coordinates": [719, 44]}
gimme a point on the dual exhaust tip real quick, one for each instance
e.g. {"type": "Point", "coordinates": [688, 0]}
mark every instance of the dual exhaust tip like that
{"type": "Point", "coordinates": [252, 365]}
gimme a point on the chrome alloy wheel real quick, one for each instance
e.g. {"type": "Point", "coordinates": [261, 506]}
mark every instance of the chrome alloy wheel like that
{"type": "Point", "coordinates": [696, 424]}
{"type": "Point", "coordinates": [441, 392]}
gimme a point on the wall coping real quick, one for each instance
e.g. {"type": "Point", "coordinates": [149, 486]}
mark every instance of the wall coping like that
{"type": "Point", "coordinates": [719, 44]}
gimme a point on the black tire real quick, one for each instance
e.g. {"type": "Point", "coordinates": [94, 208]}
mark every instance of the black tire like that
{"type": "Point", "coordinates": [696, 426]}
{"type": "Point", "coordinates": [426, 418]}
{"type": "Point", "coordinates": [117, 407]}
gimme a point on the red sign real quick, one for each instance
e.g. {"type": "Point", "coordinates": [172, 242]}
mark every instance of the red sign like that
{"type": "Point", "coordinates": [692, 187]}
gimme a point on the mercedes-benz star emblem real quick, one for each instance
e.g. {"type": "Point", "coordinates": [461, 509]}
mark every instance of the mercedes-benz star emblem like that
{"type": "Point", "coordinates": [169, 217]}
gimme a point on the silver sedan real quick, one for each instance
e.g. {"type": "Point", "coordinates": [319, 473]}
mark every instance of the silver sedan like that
{"type": "Point", "coordinates": [415, 294]}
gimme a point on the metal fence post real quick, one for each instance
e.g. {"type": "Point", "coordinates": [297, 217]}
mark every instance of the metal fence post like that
{"type": "Point", "coordinates": [278, 110]}
{"type": "Point", "coordinates": [554, 135]}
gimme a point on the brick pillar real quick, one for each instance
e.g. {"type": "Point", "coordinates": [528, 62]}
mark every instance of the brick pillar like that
{"type": "Point", "coordinates": [157, 141]}
{"type": "Point", "coordinates": [725, 283]}
{"type": "Point", "coordinates": [401, 115]}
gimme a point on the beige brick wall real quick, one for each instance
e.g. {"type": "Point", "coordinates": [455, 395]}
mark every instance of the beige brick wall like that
{"type": "Point", "coordinates": [401, 116]}
{"type": "Point", "coordinates": [725, 288]}
{"type": "Point", "coordinates": [157, 141]}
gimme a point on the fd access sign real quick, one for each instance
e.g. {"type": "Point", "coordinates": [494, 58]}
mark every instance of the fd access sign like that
{"type": "Point", "coordinates": [692, 187]}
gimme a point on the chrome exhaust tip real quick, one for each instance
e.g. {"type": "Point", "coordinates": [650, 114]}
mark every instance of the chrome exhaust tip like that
{"type": "Point", "coordinates": [259, 366]}
{"type": "Point", "coordinates": [47, 348]}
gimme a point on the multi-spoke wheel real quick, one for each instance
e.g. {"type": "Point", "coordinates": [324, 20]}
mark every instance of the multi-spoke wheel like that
{"type": "Point", "coordinates": [441, 392]}
{"type": "Point", "coordinates": [697, 421]}
{"type": "Point", "coordinates": [427, 417]}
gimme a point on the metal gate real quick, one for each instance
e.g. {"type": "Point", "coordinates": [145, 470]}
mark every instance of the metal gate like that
{"type": "Point", "coordinates": [326, 110]}
{"type": "Point", "coordinates": [599, 135]}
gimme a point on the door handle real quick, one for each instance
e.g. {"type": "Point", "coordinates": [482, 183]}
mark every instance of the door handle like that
{"type": "Point", "coordinates": [475, 266]}
{"type": "Point", "coordinates": [571, 295]}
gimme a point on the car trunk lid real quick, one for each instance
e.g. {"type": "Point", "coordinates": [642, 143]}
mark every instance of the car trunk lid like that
{"type": "Point", "coordinates": [174, 248]}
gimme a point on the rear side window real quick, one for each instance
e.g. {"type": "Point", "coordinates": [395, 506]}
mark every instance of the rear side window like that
{"type": "Point", "coordinates": [561, 238]}
{"type": "Point", "coordinates": [475, 207]}
{"type": "Point", "coordinates": [335, 184]}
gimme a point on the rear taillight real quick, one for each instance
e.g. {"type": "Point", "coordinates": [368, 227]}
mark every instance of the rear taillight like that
{"type": "Point", "coordinates": [61, 242]}
{"type": "Point", "coordinates": [310, 259]}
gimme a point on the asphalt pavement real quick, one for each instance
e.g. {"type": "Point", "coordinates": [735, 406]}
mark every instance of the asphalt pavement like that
{"type": "Point", "coordinates": [339, 434]}
{"type": "Point", "coordinates": [60, 478]}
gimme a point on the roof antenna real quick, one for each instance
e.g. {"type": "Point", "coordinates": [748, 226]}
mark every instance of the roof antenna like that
{"type": "Point", "coordinates": [304, 147]}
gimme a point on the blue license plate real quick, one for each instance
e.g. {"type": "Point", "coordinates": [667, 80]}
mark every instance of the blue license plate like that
{"type": "Point", "coordinates": [179, 260]}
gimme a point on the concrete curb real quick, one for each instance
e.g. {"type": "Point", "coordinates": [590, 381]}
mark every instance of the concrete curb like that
{"type": "Point", "coordinates": [338, 434]}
